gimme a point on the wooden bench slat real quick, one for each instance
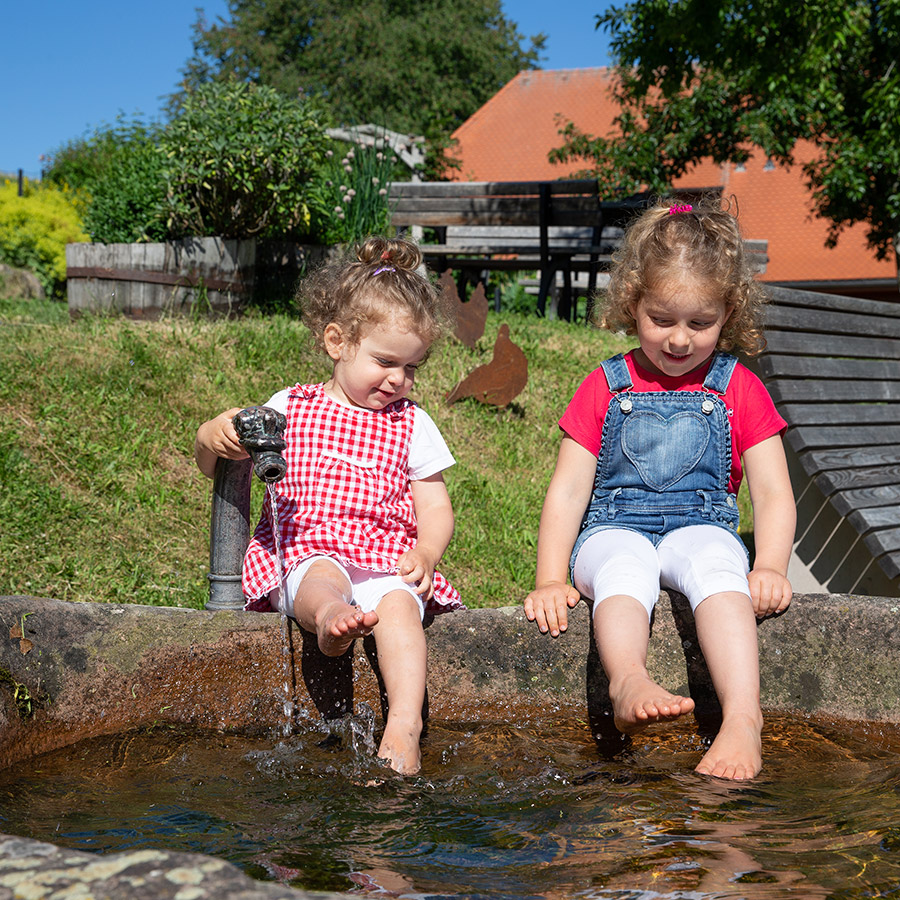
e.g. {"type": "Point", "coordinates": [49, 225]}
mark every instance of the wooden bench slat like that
{"type": "Point", "coordinates": [824, 460]}
{"type": "Point", "coordinates": [812, 300]}
{"type": "Point", "coordinates": [877, 517]}
{"type": "Point", "coordinates": [863, 498]}
{"type": "Point", "coordinates": [889, 561]}
{"type": "Point", "coordinates": [818, 436]}
{"type": "Point", "coordinates": [571, 248]}
{"type": "Point", "coordinates": [823, 368]}
{"type": "Point", "coordinates": [400, 189]}
{"type": "Point", "coordinates": [797, 342]}
{"type": "Point", "coordinates": [494, 216]}
{"type": "Point", "coordinates": [852, 479]}
{"type": "Point", "coordinates": [885, 540]}
{"type": "Point", "coordinates": [831, 322]}
{"type": "Point", "coordinates": [508, 264]}
{"type": "Point", "coordinates": [785, 390]}
{"type": "Point", "coordinates": [527, 208]}
{"type": "Point", "coordinates": [799, 414]}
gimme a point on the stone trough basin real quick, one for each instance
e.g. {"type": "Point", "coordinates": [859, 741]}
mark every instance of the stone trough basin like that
{"type": "Point", "coordinates": [73, 671]}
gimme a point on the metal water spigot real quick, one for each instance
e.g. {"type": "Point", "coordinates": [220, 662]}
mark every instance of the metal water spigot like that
{"type": "Point", "coordinates": [261, 432]}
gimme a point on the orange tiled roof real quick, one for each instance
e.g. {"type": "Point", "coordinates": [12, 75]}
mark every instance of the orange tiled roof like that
{"type": "Point", "coordinates": [508, 139]}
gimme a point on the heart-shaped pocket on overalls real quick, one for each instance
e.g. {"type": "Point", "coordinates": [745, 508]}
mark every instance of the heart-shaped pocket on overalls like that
{"type": "Point", "coordinates": [664, 450]}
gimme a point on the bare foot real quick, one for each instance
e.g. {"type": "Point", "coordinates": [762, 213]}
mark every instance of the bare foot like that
{"type": "Point", "coordinates": [400, 746]}
{"type": "Point", "coordinates": [340, 624]}
{"type": "Point", "coordinates": [736, 753]}
{"type": "Point", "coordinates": [639, 701]}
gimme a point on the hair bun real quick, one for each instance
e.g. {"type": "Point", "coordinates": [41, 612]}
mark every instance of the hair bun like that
{"type": "Point", "coordinates": [398, 252]}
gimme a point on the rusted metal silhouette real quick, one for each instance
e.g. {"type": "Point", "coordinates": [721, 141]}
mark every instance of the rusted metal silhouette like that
{"type": "Point", "coordinates": [471, 315]}
{"type": "Point", "coordinates": [499, 381]}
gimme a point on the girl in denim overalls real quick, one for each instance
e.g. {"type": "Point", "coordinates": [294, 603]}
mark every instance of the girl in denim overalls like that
{"type": "Point", "coordinates": [655, 444]}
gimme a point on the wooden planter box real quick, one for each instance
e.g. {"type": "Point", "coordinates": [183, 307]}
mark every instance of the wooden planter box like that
{"type": "Point", "coordinates": [203, 275]}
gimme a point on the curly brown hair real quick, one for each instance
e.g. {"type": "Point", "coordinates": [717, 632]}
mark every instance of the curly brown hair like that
{"type": "Point", "coordinates": [703, 239]}
{"type": "Point", "coordinates": [381, 278]}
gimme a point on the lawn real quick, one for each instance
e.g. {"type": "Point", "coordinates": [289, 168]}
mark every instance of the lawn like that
{"type": "Point", "coordinates": [102, 501]}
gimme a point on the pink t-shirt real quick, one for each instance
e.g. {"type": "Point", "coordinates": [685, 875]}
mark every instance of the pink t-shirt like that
{"type": "Point", "coordinates": [751, 411]}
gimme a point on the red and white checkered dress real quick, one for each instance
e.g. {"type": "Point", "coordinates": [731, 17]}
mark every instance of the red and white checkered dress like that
{"type": "Point", "coordinates": [346, 494]}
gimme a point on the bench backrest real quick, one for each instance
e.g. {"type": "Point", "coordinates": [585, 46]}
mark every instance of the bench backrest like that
{"type": "Point", "coordinates": [523, 203]}
{"type": "Point", "coordinates": [832, 366]}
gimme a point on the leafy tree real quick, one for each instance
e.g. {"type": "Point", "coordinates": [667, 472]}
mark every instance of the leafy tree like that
{"type": "Point", "coordinates": [412, 66]}
{"type": "Point", "coordinates": [699, 80]}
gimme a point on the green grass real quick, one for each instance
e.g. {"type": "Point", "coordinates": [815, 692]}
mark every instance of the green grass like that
{"type": "Point", "coordinates": [100, 497]}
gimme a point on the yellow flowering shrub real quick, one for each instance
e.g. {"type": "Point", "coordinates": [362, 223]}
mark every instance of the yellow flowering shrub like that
{"type": "Point", "coordinates": [35, 228]}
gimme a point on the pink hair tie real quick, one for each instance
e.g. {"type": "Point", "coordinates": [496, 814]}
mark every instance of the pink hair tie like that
{"type": "Point", "coordinates": [385, 258]}
{"type": "Point", "coordinates": [680, 208]}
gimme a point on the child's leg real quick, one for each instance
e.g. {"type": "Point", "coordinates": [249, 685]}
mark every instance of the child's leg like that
{"type": "Point", "coordinates": [708, 565]}
{"type": "Point", "coordinates": [622, 629]}
{"type": "Point", "coordinates": [402, 659]}
{"type": "Point", "coordinates": [322, 593]}
{"type": "Point", "coordinates": [618, 569]}
{"type": "Point", "coordinates": [726, 627]}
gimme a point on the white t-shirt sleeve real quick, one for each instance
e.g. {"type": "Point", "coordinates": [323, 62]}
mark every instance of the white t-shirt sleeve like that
{"type": "Point", "coordinates": [428, 451]}
{"type": "Point", "coordinates": [279, 401]}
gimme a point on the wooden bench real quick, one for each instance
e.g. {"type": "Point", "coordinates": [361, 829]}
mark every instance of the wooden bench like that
{"type": "Point", "coordinates": [546, 226]}
{"type": "Point", "coordinates": [832, 366]}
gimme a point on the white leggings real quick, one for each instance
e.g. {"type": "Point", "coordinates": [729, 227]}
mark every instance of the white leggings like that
{"type": "Point", "coordinates": [697, 561]}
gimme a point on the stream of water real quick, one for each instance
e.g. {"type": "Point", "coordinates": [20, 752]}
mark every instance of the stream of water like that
{"type": "Point", "coordinates": [523, 810]}
{"type": "Point", "coordinates": [286, 656]}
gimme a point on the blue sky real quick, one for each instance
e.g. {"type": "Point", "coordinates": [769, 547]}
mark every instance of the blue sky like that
{"type": "Point", "coordinates": [67, 67]}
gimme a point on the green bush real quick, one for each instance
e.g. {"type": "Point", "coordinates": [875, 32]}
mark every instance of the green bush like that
{"type": "Point", "coordinates": [34, 231]}
{"type": "Point", "coordinates": [116, 176]}
{"type": "Point", "coordinates": [239, 158]}
{"type": "Point", "coordinates": [349, 199]}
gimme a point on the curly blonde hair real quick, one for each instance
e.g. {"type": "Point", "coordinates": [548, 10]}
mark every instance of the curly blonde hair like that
{"type": "Point", "coordinates": [669, 239]}
{"type": "Point", "coordinates": [381, 278]}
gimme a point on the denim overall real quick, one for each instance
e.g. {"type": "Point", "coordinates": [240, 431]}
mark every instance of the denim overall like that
{"type": "Point", "coordinates": [665, 458]}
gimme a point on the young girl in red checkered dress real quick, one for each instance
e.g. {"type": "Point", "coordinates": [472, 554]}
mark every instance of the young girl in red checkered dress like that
{"type": "Point", "coordinates": [363, 512]}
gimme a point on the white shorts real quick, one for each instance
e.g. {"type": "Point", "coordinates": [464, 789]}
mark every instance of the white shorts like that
{"type": "Point", "coordinates": [697, 561]}
{"type": "Point", "coordinates": [367, 587]}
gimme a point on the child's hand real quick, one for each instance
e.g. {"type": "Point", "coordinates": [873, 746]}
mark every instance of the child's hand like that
{"type": "Point", "coordinates": [770, 592]}
{"type": "Point", "coordinates": [548, 606]}
{"type": "Point", "coordinates": [416, 566]}
{"type": "Point", "coordinates": [217, 438]}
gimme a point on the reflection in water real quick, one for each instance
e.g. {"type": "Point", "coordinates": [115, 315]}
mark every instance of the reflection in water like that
{"type": "Point", "coordinates": [499, 811]}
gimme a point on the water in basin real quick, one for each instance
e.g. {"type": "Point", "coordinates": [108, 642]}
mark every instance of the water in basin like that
{"type": "Point", "coordinates": [521, 810]}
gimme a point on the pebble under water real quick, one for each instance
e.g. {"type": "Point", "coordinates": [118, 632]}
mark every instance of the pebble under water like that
{"type": "Point", "coordinates": [524, 810]}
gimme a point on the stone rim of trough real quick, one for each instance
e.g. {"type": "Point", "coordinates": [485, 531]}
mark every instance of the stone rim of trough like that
{"type": "Point", "coordinates": [111, 667]}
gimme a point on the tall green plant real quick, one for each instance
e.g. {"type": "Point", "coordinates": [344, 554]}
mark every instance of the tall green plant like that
{"type": "Point", "coordinates": [238, 159]}
{"type": "Point", "coordinates": [350, 197]}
